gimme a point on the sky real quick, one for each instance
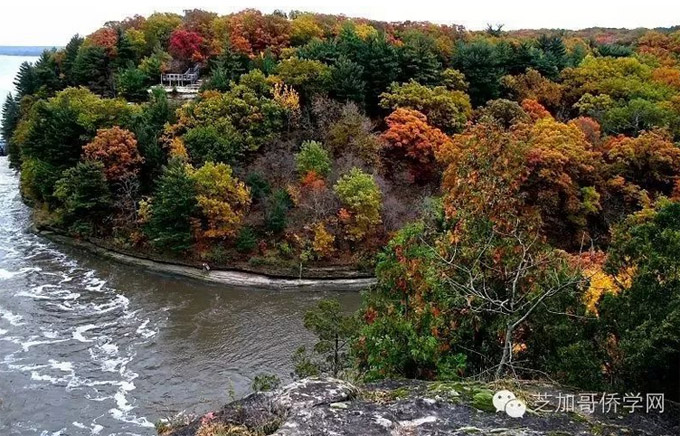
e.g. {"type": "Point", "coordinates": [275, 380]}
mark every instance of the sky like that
{"type": "Point", "coordinates": [53, 22]}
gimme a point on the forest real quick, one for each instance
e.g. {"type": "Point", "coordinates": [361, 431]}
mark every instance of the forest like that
{"type": "Point", "coordinates": [516, 193]}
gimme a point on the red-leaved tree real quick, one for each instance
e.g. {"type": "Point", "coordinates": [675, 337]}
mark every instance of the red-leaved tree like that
{"type": "Point", "coordinates": [186, 45]}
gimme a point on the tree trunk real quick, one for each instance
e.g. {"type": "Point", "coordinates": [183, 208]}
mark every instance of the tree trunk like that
{"type": "Point", "coordinates": [507, 352]}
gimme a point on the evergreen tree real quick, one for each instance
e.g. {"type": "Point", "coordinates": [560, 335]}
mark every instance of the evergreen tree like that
{"type": "Point", "coordinates": [554, 56]}
{"type": "Point", "coordinates": [277, 207]}
{"type": "Point", "coordinates": [125, 53]}
{"type": "Point", "coordinates": [380, 61]}
{"type": "Point", "coordinates": [148, 127]}
{"type": "Point", "coordinates": [349, 42]}
{"type": "Point", "coordinates": [84, 196]}
{"type": "Point", "coordinates": [334, 331]}
{"type": "Point", "coordinates": [133, 84]}
{"type": "Point", "coordinates": [26, 81]}
{"type": "Point", "coordinates": [326, 51]}
{"type": "Point", "coordinates": [480, 63]}
{"type": "Point", "coordinates": [418, 59]}
{"type": "Point", "coordinates": [55, 135]}
{"type": "Point", "coordinates": [219, 80]}
{"type": "Point", "coordinates": [645, 316]}
{"type": "Point", "coordinates": [231, 63]}
{"type": "Point", "coordinates": [47, 73]}
{"type": "Point", "coordinates": [10, 119]}
{"type": "Point", "coordinates": [173, 204]}
{"type": "Point", "coordinates": [524, 56]}
{"type": "Point", "coordinates": [91, 69]}
{"type": "Point", "coordinates": [347, 81]}
{"type": "Point", "coordinates": [70, 55]}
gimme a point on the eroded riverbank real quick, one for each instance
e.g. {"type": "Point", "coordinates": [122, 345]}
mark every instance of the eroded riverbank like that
{"type": "Point", "coordinates": [345, 281]}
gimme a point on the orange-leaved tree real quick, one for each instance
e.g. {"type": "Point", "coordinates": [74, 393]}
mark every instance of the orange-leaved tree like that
{"type": "Point", "coordinates": [544, 171]}
{"type": "Point", "coordinates": [410, 137]}
{"type": "Point", "coordinates": [651, 161]}
{"type": "Point", "coordinates": [116, 148]}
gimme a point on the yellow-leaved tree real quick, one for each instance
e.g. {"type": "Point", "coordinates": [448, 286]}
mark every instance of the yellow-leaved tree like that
{"type": "Point", "coordinates": [222, 200]}
{"type": "Point", "coordinates": [361, 199]}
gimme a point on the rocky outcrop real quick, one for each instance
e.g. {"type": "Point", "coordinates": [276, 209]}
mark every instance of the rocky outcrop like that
{"type": "Point", "coordinates": [333, 407]}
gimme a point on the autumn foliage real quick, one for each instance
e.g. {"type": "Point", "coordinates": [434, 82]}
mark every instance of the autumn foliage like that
{"type": "Point", "coordinates": [187, 45]}
{"type": "Point", "coordinates": [410, 137]}
{"type": "Point", "coordinates": [116, 148]}
{"type": "Point", "coordinates": [479, 172]}
{"type": "Point", "coordinates": [222, 199]}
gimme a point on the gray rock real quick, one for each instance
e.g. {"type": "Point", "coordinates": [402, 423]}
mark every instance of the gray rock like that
{"type": "Point", "coordinates": [310, 392]}
{"type": "Point", "coordinates": [327, 406]}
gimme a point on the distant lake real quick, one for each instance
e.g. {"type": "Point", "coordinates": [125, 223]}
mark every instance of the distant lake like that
{"type": "Point", "coordinates": [9, 65]}
{"type": "Point", "coordinates": [23, 50]}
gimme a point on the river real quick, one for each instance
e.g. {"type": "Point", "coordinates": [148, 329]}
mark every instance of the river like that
{"type": "Point", "coordinates": [88, 347]}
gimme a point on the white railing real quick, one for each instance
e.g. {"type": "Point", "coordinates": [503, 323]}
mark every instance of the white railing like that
{"type": "Point", "coordinates": [179, 78]}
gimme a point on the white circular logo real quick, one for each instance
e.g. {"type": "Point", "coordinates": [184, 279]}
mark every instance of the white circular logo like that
{"type": "Point", "coordinates": [508, 402]}
{"type": "Point", "coordinates": [515, 408]}
{"type": "Point", "coordinates": [501, 398]}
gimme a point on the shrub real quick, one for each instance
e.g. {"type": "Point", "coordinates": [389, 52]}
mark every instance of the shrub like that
{"type": "Point", "coordinates": [266, 382]}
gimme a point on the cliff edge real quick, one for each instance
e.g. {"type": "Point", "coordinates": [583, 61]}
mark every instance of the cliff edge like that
{"type": "Point", "coordinates": [329, 406]}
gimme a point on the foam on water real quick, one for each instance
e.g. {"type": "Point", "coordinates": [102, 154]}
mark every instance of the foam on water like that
{"type": "Point", "coordinates": [78, 332]}
{"type": "Point", "coordinates": [13, 318]}
{"type": "Point", "coordinates": [145, 331]}
{"type": "Point", "coordinates": [94, 429]}
{"type": "Point", "coordinates": [5, 274]}
{"type": "Point", "coordinates": [61, 366]}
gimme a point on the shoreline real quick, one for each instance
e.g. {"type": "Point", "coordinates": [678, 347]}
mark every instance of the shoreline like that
{"type": "Point", "coordinates": [229, 277]}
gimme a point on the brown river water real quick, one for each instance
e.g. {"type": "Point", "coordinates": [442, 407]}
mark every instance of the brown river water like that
{"type": "Point", "coordinates": [90, 347]}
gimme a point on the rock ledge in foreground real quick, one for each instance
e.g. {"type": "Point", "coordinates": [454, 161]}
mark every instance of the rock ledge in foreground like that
{"type": "Point", "coordinates": [327, 406]}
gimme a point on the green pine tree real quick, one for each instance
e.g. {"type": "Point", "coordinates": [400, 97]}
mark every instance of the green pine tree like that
{"type": "Point", "coordinates": [10, 119]}
{"type": "Point", "coordinates": [172, 206]}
